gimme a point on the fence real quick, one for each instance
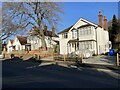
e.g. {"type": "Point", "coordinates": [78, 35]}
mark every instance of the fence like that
{"type": "Point", "coordinates": [118, 59]}
{"type": "Point", "coordinates": [68, 58]}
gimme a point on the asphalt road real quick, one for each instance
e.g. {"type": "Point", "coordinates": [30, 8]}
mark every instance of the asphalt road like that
{"type": "Point", "coordinates": [28, 74]}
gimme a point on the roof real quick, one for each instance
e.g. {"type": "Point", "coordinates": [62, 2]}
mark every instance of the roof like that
{"type": "Point", "coordinates": [22, 39]}
{"type": "Point", "coordinates": [49, 33]}
{"type": "Point", "coordinates": [56, 41]}
{"type": "Point", "coordinates": [75, 40]}
{"type": "Point", "coordinates": [11, 41]}
{"type": "Point", "coordinates": [66, 30]}
{"type": "Point", "coordinates": [4, 44]}
{"type": "Point", "coordinates": [85, 25]}
{"type": "Point", "coordinates": [89, 23]}
{"type": "Point", "coordinates": [46, 33]}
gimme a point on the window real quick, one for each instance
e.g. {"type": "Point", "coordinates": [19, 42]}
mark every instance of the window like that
{"type": "Point", "coordinates": [18, 47]}
{"type": "Point", "coordinates": [85, 31]}
{"type": "Point", "coordinates": [74, 33]}
{"type": "Point", "coordinates": [65, 35]}
{"type": "Point", "coordinates": [85, 45]}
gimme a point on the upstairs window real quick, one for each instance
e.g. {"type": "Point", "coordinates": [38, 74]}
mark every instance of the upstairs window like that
{"type": "Point", "coordinates": [85, 31]}
{"type": "Point", "coordinates": [74, 34]}
{"type": "Point", "coordinates": [65, 35]}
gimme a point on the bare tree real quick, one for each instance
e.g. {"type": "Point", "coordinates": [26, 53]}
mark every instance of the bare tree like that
{"type": "Point", "coordinates": [24, 15]}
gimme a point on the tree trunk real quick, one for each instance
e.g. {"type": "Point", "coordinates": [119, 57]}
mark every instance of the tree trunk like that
{"type": "Point", "coordinates": [43, 42]}
{"type": "Point", "coordinates": [42, 37]}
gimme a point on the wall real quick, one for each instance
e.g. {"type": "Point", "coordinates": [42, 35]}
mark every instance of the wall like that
{"type": "Point", "coordinates": [9, 49]}
{"type": "Point", "coordinates": [17, 44]}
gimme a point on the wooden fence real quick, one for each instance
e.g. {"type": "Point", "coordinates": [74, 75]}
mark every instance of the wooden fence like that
{"type": "Point", "coordinates": [66, 58]}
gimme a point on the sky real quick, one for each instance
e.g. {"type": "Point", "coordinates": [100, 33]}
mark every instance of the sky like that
{"type": "Point", "coordinates": [73, 11]}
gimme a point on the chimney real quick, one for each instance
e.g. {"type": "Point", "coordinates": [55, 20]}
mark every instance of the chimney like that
{"type": "Point", "coordinates": [45, 28]}
{"type": "Point", "coordinates": [100, 18]}
{"type": "Point", "coordinates": [105, 23]}
{"type": "Point", "coordinates": [53, 31]}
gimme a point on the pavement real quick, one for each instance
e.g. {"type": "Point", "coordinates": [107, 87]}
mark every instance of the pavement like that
{"type": "Point", "coordinates": [102, 60]}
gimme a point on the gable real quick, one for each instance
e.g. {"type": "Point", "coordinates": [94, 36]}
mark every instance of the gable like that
{"type": "Point", "coordinates": [16, 41]}
{"type": "Point", "coordinates": [66, 30]}
{"type": "Point", "coordinates": [80, 22]}
{"type": "Point", "coordinates": [22, 40]}
{"type": "Point", "coordinates": [10, 42]}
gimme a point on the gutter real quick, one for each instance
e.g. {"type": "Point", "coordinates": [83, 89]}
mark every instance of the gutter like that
{"type": "Point", "coordinates": [96, 40]}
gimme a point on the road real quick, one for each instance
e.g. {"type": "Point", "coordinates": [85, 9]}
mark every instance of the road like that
{"type": "Point", "coordinates": [30, 74]}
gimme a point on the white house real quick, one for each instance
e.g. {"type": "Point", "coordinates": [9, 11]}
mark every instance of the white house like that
{"type": "Point", "coordinates": [85, 35]}
{"type": "Point", "coordinates": [10, 46]}
{"type": "Point", "coordinates": [17, 44]}
{"type": "Point", "coordinates": [34, 42]}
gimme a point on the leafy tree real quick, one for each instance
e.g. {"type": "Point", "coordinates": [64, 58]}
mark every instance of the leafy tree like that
{"type": "Point", "coordinates": [114, 31]}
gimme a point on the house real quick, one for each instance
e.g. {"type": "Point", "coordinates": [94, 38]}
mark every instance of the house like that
{"type": "Point", "coordinates": [34, 42]}
{"type": "Point", "coordinates": [18, 44]}
{"type": "Point", "coordinates": [85, 35]}
{"type": "Point", "coordinates": [10, 46]}
{"type": "Point", "coordinates": [4, 46]}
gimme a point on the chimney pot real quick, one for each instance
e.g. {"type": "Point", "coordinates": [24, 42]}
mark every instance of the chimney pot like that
{"type": "Point", "coordinates": [105, 23]}
{"type": "Point", "coordinates": [100, 18]}
{"type": "Point", "coordinates": [53, 31]}
{"type": "Point", "coordinates": [45, 28]}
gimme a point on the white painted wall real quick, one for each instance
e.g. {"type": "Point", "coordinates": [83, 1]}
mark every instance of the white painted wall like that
{"type": "Point", "coordinates": [36, 42]}
{"type": "Point", "coordinates": [9, 48]}
{"type": "Point", "coordinates": [63, 44]}
{"type": "Point", "coordinates": [17, 44]}
{"type": "Point", "coordinates": [103, 40]}
{"type": "Point", "coordinates": [100, 43]}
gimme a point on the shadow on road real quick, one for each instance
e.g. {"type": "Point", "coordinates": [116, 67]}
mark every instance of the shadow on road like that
{"type": "Point", "coordinates": [16, 75]}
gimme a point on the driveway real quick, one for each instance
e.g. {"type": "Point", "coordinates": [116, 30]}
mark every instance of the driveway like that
{"type": "Point", "coordinates": [102, 60]}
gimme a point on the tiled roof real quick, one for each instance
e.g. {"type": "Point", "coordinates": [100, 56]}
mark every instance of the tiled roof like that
{"type": "Point", "coordinates": [49, 33]}
{"type": "Point", "coordinates": [66, 30]}
{"type": "Point", "coordinates": [22, 39]}
{"type": "Point", "coordinates": [46, 33]}
{"type": "Point", "coordinates": [11, 41]}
